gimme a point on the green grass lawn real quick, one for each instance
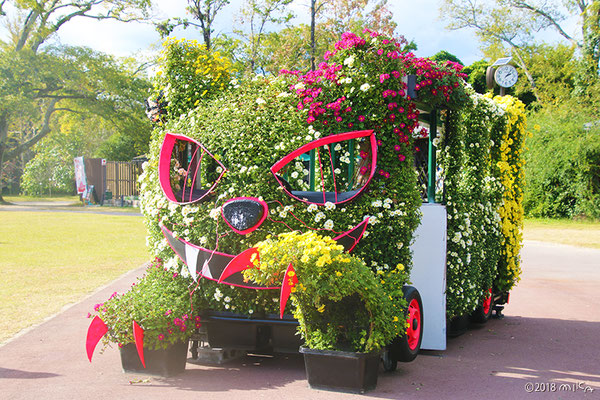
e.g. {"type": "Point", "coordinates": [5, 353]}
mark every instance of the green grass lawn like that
{"type": "Point", "coordinates": [575, 233]}
{"type": "Point", "coordinates": [50, 259]}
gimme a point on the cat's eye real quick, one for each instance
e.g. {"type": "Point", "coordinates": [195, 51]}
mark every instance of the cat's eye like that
{"type": "Point", "coordinates": [335, 169]}
{"type": "Point", "coordinates": [188, 172]}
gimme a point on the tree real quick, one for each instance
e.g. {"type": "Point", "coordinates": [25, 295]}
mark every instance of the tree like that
{"type": "Point", "coordinates": [300, 47]}
{"type": "Point", "coordinates": [339, 16]}
{"type": "Point", "coordinates": [443, 55]}
{"type": "Point", "coordinates": [43, 18]}
{"type": "Point", "coordinates": [204, 11]}
{"type": "Point", "coordinates": [514, 23]}
{"type": "Point", "coordinates": [36, 81]}
{"type": "Point", "coordinates": [50, 170]}
{"type": "Point", "coordinates": [258, 14]}
{"type": "Point", "coordinates": [476, 75]}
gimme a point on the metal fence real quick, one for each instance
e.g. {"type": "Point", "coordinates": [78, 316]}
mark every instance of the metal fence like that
{"type": "Point", "coordinates": [121, 178]}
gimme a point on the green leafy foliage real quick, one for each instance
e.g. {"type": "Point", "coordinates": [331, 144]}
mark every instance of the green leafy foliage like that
{"type": "Point", "coordinates": [476, 75]}
{"type": "Point", "coordinates": [49, 171]}
{"type": "Point", "coordinates": [473, 197]}
{"type": "Point", "coordinates": [444, 55]}
{"type": "Point", "coordinates": [563, 177]}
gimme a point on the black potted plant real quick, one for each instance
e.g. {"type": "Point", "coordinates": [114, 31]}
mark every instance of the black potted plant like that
{"type": "Point", "coordinates": [345, 314]}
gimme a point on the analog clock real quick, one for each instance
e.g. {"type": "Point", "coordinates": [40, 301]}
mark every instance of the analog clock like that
{"type": "Point", "coordinates": [506, 76]}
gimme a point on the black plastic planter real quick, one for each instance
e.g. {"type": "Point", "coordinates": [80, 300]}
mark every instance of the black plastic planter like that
{"type": "Point", "coordinates": [340, 370]}
{"type": "Point", "coordinates": [168, 362]}
{"type": "Point", "coordinates": [260, 333]}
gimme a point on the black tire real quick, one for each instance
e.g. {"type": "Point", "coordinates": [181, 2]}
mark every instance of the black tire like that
{"type": "Point", "coordinates": [484, 311]}
{"type": "Point", "coordinates": [406, 348]}
{"type": "Point", "coordinates": [390, 363]}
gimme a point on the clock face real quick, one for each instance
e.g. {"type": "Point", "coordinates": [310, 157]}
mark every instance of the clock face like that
{"type": "Point", "coordinates": [506, 76]}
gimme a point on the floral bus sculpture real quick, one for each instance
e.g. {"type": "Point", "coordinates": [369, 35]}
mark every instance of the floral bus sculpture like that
{"type": "Point", "coordinates": [311, 187]}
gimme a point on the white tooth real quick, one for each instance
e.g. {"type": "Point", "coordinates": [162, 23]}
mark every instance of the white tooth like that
{"type": "Point", "coordinates": [191, 259]}
{"type": "Point", "coordinates": [206, 270]}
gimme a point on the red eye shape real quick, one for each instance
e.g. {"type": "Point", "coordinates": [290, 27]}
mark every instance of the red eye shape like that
{"type": "Point", "coordinates": [334, 169]}
{"type": "Point", "coordinates": [187, 171]}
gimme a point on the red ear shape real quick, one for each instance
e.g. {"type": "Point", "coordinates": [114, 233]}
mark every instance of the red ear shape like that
{"type": "Point", "coordinates": [239, 263]}
{"type": "Point", "coordinates": [138, 336]}
{"type": "Point", "coordinates": [289, 281]}
{"type": "Point", "coordinates": [95, 332]}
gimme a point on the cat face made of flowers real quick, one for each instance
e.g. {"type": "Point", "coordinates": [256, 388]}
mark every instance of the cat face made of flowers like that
{"type": "Point", "coordinates": [189, 173]}
{"type": "Point", "coordinates": [342, 166]}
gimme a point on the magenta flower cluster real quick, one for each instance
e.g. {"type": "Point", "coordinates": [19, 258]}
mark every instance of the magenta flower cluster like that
{"type": "Point", "coordinates": [382, 102]}
{"type": "Point", "coordinates": [180, 324]}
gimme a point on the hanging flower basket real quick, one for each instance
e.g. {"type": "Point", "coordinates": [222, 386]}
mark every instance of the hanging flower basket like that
{"type": "Point", "coordinates": [163, 362]}
{"type": "Point", "coordinates": [341, 370]}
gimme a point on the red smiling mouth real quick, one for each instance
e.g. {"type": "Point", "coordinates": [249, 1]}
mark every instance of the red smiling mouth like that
{"type": "Point", "coordinates": [210, 264]}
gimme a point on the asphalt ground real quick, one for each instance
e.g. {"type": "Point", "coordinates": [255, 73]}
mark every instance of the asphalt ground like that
{"type": "Point", "coordinates": [547, 346]}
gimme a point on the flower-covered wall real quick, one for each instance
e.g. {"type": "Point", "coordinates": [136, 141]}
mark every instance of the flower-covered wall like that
{"type": "Point", "coordinates": [482, 164]}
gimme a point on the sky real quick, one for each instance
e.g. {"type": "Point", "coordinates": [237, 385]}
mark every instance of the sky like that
{"type": "Point", "coordinates": [417, 20]}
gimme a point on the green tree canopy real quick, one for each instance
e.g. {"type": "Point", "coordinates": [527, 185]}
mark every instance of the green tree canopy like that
{"type": "Point", "coordinates": [39, 82]}
{"type": "Point", "coordinates": [512, 26]}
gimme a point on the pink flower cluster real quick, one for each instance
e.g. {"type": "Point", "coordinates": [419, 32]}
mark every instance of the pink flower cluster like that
{"type": "Point", "coordinates": [433, 75]}
{"type": "Point", "coordinates": [349, 40]}
{"type": "Point", "coordinates": [180, 323]}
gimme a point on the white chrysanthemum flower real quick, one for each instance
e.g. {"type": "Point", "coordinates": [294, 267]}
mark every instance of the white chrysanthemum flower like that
{"type": "Point", "coordinates": [364, 87]}
{"type": "Point", "coordinates": [171, 264]}
{"type": "Point", "coordinates": [328, 224]}
{"type": "Point", "coordinates": [214, 213]}
{"type": "Point", "coordinates": [349, 61]}
{"type": "Point", "coordinates": [376, 203]}
{"type": "Point", "coordinates": [312, 208]}
{"type": "Point", "coordinates": [329, 206]}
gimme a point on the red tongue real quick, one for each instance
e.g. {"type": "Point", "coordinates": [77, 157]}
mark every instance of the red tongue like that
{"type": "Point", "coordinates": [239, 263]}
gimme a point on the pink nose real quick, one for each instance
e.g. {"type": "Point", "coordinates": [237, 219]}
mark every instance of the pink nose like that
{"type": "Point", "coordinates": [244, 214]}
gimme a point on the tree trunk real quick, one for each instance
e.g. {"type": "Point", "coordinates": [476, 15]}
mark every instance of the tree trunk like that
{"type": "Point", "coordinates": [313, 12]}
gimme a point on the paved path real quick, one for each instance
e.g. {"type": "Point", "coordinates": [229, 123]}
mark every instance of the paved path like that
{"type": "Point", "coordinates": [550, 335]}
{"type": "Point", "coordinates": [65, 206]}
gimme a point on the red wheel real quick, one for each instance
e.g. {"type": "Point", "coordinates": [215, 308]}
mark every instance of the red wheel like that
{"type": "Point", "coordinates": [407, 347]}
{"type": "Point", "coordinates": [484, 312]}
{"type": "Point", "coordinates": [413, 333]}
